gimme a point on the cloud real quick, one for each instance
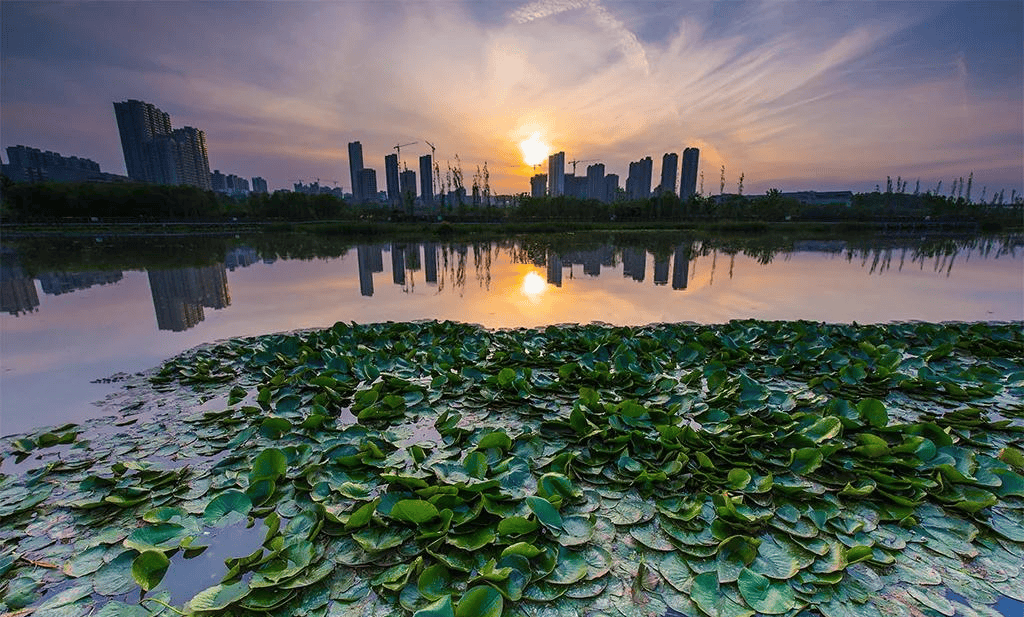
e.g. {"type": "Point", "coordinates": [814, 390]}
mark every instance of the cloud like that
{"type": "Point", "coordinates": [801, 92]}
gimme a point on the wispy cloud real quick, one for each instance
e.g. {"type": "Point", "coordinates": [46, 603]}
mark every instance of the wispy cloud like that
{"type": "Point", "coordinates": [805, 93]}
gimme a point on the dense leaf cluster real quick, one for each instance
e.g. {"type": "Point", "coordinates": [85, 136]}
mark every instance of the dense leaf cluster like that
{"type": "Point", "coordinates": [443, 469]}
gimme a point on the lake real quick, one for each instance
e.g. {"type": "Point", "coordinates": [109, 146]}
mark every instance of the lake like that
{"type": "Point", "coordinates": [80, 314]}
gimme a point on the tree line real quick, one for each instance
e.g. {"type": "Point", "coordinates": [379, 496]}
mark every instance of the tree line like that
{"type": "Point", "coordinates": [43, 202]}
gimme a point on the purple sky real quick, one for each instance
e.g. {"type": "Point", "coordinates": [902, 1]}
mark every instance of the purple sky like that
{"type": "Point", "coordinates": [794, 95]}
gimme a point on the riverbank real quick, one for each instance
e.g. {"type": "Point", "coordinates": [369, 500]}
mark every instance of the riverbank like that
{"type": "Point", "coordinates": [485, 230]}
{"type": "Point", "coordinates": [430, 466]}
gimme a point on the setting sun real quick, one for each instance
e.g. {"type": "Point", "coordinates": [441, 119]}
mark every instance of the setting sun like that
{"type": "Point", "coordinates": [534, 150]}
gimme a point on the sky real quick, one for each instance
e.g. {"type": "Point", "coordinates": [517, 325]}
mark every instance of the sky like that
{"type": "Point", "coordinates": [792, 94]}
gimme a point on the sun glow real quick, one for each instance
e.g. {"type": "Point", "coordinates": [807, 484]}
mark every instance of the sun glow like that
{"type": "Point", "coordinates": [534, 150]}
{"type": "Point", "coordinates": [534, 284]}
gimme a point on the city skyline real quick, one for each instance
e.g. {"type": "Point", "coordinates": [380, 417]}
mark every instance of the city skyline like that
{"type": "Point", "coordinates": [795, 96]}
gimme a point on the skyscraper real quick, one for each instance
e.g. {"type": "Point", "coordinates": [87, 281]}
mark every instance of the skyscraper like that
{"type": "Point", "coordinates": [427, 180]}
{"type": "Point", "coordinates": [669, 164]}
{"type": "Point", "coordinates": [539, 185]}
{"type": "Point", "coordinates": [391, 179]}
{"type": "Point", "coordinates": [139, 124]}
{"type": "Point", "coordinates": [688, 180]}
{"type": "Point", "coordinates": [611, 187]}
{"type": "Point", "coordinates": [155, 153]}
{"type": "Point", "coordinates": [556, 174]}
{"type": "Point", "coordinates": [595, 182]}
{"type": "Point", "coordinates": [368, 184]}
{"type": "Point", "coordinates": [259, 185]}
{"type": "Point", "coordinates": [638, 183]}
{"type": "Point", "coordinates": [407, 180]}
{"type": "Point", "coordinates": [191, 159]}
{"type": "Point", "coordinates": [355, 167]}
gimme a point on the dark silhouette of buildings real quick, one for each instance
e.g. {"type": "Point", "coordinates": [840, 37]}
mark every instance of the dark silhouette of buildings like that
{"type": "Point", "coordinates": [669, 164]}
{"type": "Point", "coordinates": [575, 186]}
{"type": "Point", "coordinates": [180, 294]}
{"type": "Point", "coordinates": [556, 174]}
{"type": "Point", "coordinates": [611, 187]}
{"type": "Point", "coordinates": [391, 179]}
{"type": "Point", "coordinates": [638, 183]}
{"type": "Point", "coordinates": [688, 179]}
{"type": "Point", "coordinates": [595, 182]}
{"type": "Point", "coordinates": [407, 181]}
{"type": "Point", "coordinates": [259, 185]}
{"type": "Point", "coordinates": [27, 164]}
{"type": "Point", "coordinates": [539, 185]}
{"type": "Point", "coordinates": [157, 154]}
{"type": "Point", "coordinates": [368, 185]}
{"type": "Point", "coordinates": [427, 180]}
{"type": "Point", "coordinates": [355, 167]}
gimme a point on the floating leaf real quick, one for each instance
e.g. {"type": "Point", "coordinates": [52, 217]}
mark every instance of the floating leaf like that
{"type": "Point", "coordinates": [148, 569]}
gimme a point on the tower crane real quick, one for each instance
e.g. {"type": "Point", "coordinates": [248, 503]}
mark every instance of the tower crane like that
{"type": "Point", "coordinates": [398, 148]}
{"type": "Point", "coordinates": [574, 164]}
{"type": "Point", "coordinates": [432, 148]}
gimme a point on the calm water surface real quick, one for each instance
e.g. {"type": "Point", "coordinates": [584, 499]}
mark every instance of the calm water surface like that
{"type": "Point", "coordinates": [77, 312]}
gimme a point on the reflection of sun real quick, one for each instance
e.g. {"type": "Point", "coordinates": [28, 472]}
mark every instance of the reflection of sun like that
{"type": "Point", "coordinates": [534, 150]}
{"type": "Point", "coordinates": [534, 284]}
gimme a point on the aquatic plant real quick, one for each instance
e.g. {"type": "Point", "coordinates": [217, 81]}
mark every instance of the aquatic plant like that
{"type": "Point", "coordinates": [444, 469]}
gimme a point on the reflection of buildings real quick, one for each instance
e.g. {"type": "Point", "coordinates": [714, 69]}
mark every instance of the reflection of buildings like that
{"type": "Point", "coordinates": [661, 270]}
{"type": "Point", "coordinates": [590, 260]}
{"type": "Point", "coordinates": [371, 260]}
{"type": "Point", "coordinates": [57, 283]}
{"type": "Point", "coordinates": [398, 264]}
{"type": "Point", "coordinates": [681, 266]}
{"type": "Point", "coordinates": [634, 263]}
{"type": "Point", "coordinates": [555, 270]}
{"type": "Point", "coordinates": [179, 295]}
{"type": "Point", "coordinates": [240, 257]}
{"type": "Point", "coordinates": [430, 262]}
{"type": "Point", "coordinates": [17, 291]}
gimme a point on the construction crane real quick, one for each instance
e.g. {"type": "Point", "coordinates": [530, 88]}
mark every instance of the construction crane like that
{"type": "Point", "coordinates": [432, 148]}
{"type": "Point", "coordinates": [574, 164]}
{"type": "Point", "coordinates": [398, 148]}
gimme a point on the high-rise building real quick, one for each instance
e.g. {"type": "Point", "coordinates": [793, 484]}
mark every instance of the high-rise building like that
{"type": "Point", "coordinates": [556, 174]}
{"type": "Point", "coordinates": [407, 181]}
{"type": "Point", "coordinates": [611, 187]}
{"type": "Point", "coordinates": [34, 165]}
{"type": "Point", "coordinates": [669, 164]}
{"type": "Point", "coordinates": [191, 159]}
{"type": "Point", "coordinates": [218, 181]}
{"type": "Point", "coordinates": [391, 179]}
{"type": "Point", "coordinates": [259, 185]}
{"type": "Point", "coordinates": [688, 178]}
{"type": "Point", "coordinates": [595, 182]}
{"type": "Point", "coordinates": [368, 184]}
{"type": "Point", "coordinates": [155, 153]}
{"type": "Point", "coordinates": [139, 123]}
{"type": "Point", "coordinates": [539, 185]}
{"type": "Point", "coordinates": [638, 183]}
{"type": "Point", "coordinates": [355, 167]}
{"type": "Point", "coordinates": [427, 180]}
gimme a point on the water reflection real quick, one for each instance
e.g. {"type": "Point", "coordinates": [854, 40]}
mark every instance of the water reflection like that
{"type": "Point", "coordinates": [180, 294]}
